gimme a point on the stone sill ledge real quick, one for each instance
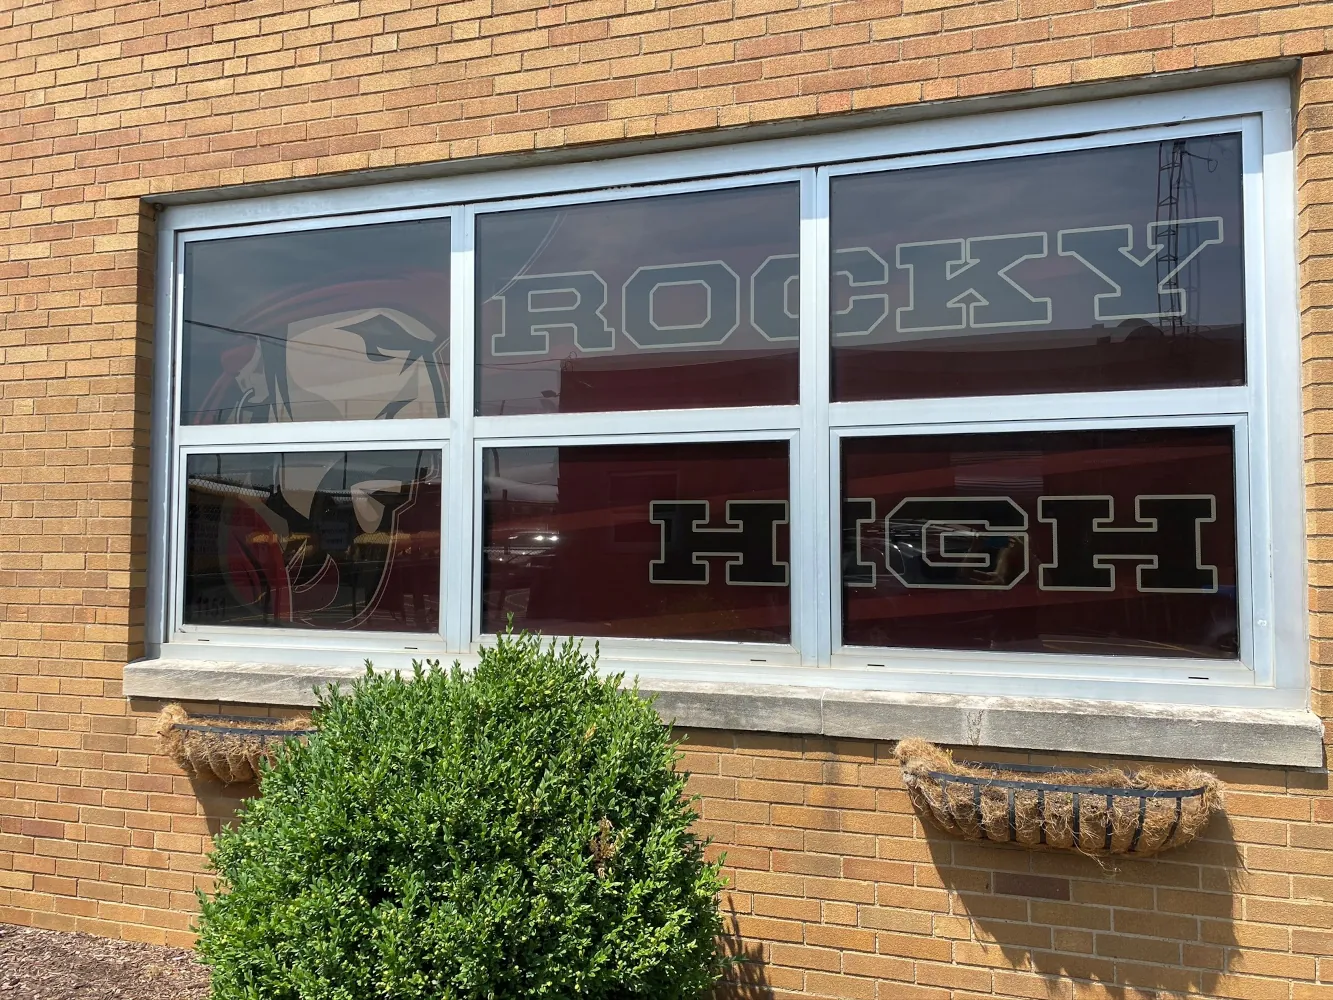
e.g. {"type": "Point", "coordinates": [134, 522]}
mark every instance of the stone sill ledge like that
{"type": "Point", "coordinates": [1287, 738]}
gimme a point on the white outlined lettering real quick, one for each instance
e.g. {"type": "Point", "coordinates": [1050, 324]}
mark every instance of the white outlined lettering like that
{"type": "Point", "coordinates": [723, 314]}
{"type": "Point", "coordinates": [526, 324]}
{"type": "Point", "coordinates": [955, 284]}
{"type": "Point", "coordinates": [1139, 291]}
{"type": "Point", "coordinates": [749, 543]}
{"type": "Point", "coordinates": [1166, 542]}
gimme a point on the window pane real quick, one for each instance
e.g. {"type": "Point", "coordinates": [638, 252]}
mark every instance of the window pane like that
{"type": "Point", "coordinates": [1113, 542]}
{"type": "Point", "coordinates": [1111, 268]}
{"type": "Point", "coordinates": [671, 541]}
{"type": "Point", "coordinates": [331, 540]}
{"type": "Point", "coordinates": [329, 324]}
{"type": "Point", "coordinates": [687, 300]}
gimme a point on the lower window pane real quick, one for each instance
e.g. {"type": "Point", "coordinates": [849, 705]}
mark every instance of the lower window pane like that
{"type": "Point", "coordinates": [1109, 542]}
{"type": "Point", "coordinates": [330, 540]}
{"type": "Point", "coordinates": [644, 541]}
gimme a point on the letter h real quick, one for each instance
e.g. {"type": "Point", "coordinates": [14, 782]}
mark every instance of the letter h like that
{"type": "Point", "coordinates": [1166, 543]}
{"type": "Point", "coordinates": [749, 543]}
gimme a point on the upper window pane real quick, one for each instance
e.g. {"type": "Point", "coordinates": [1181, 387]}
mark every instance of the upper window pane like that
{"type": "Point", "coordinates": [1119, 267]}
{"type": "Point", "coordinates": [671, 541]}
{"type": "Point", "coordinates": [332, 540]}
{"type": "Point", "coordinates": [327, 324]}
{"type": "Point", "coordinates": [677, 301]}
{"type": "Point", "coordinates": [1111, 542]}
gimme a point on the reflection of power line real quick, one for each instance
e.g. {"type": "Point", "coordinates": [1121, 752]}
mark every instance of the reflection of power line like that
{"type": "Point", "coordinates": [382, 338]}
{"type": "Point", "coordinates": [278, 338]}
{"type": "Point", "coordinates": [1177, 200]}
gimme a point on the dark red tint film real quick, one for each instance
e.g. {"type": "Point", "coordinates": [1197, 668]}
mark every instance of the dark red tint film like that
{"type": "Point", "coordinates": [643, 541]}
{"type": "Point", "coordinates": [681, 301]}
{"type": "Point", "coordinates": [1111, 268]}
{"type": "Point", "coordinates": [327, 324]}
{"type": "Point", "coordinates": [1110, 542]}
{"type": "Point", "coordinates": [330, 540]}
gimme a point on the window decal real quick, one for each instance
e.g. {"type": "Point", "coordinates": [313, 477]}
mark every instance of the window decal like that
{"type": "Point", "coordinates": [749, 542]}
{"type": "Point", "coordinates": [1166, 543]}
{"type": "Point", "coordinates": [333, 540]}
{"type": "Point", "coordinates": [684, 300]}
{"type": "Point", "coordinates": [1118, 267]}
{"type": "Point", "coordinates": [329, 324]}
{"type": "Point", "coordinates": [1055, 541]}
{"type": "Point", "coordinates": [682, 541]}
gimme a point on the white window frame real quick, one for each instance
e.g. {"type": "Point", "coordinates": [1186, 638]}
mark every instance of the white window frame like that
{"type": "Point", "coordinates": [1272, 671]}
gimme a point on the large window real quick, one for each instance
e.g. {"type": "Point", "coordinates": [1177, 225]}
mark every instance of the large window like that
{"type": "Point", "coordinates": [1004, 406]}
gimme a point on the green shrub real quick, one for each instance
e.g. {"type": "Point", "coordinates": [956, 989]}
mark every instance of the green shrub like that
{"type": "Point", "coordinates": [517, 831]}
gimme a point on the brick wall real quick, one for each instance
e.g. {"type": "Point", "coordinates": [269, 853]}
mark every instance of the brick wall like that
{"type": "Point", "coordinates": [838, 890]}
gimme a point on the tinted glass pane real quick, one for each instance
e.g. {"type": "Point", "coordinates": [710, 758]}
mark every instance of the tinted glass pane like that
{"type": "Point", "coordinates": [671, 541]}
{"type": "Point", "coordinates": [688, 300]}
{"type": "Point", "coordinates": [1113, 542]}
{"type": "Point", "coordinates": [331, 540]}
{"type": "Point", "coordinates": [1114, 268]}
{"type": "Point", "coordinates": [329, 324]}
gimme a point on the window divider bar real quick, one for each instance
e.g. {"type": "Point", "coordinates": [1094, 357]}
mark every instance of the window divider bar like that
{"type": "Point", "coordinates": [1278, 514]}
{"type": "Point", "coordinates": [944, 411]}
{"type": "Point", "coordinates": [458, 588]}
{"type": "Point", "coordinates": [160, 519]}
{"type": "Point", "coordinates": [712, 421]}
{"type": "Point", "coordinates": [811, 522]}
{"type": "Point", "coordinates": [335, 434]}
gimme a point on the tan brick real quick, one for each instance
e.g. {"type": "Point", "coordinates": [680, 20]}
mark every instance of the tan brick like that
{"type": "Point", "coordinates": [835, 882]}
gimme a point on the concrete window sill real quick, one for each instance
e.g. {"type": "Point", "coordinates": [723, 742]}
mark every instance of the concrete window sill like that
{"type": "Point", "coordinates": [1287, 738]}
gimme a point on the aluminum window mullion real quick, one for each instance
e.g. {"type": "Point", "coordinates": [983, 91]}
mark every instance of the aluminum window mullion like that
{"type": "Point", "coordinates": [721, 436]}
{"type": "Point", "coordinates": [1254, 527]}
{"type": "Point", "coordinates": [314, 223]}
{"type": "Point", "coordinates": [1103, 138]}
{"type": "Point", "coordinates": [459, 587]}
{"type": "Point", "coordinates": [630, 423]}
{"type": "Point", "coordinates": [945, 410]}
{"type": "Point", "coordinates": [811, 521]}
{"type": "Point", "coordinates": [1277, 444]}
{"type": "Point", "coordinates": [340, 434]}
{"type": "Point", "coordinates": [1070, 423]}
{"type": "Point", "coordinates": [664, 189]}
{"type": "Point", "coordinates": [157, 628]}
{"type": "Point", "coordinates": [1253, 595]}
{"type": "Point", "coordinates": [174, 597]}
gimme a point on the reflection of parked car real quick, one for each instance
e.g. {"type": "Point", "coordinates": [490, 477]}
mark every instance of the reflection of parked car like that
{"type": "Point", "coordinates": [519, 563]}
{"type": "Point", "coordinates": [985, 561]}
{"type": "Point", "coordinates": [523, 548]}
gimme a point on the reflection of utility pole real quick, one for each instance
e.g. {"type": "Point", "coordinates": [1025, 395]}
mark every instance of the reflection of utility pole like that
{"type": "Point", "coordinates": [1175, 201]}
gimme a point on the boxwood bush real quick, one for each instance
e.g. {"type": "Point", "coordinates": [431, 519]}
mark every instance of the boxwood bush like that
{"type": "Point", "coordinates": [515, 831]}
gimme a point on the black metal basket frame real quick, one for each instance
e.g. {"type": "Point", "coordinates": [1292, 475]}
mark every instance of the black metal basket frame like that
{"type": "Point", "coordinates": [223, 724]}
{"type": "Point", "coordinates": [1011, 785]}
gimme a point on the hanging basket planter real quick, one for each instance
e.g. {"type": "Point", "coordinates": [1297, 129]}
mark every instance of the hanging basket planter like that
{"type": "Point", "coordinates": [1094, 811]}
{"type": "Point", "coordinates": [228, 748]}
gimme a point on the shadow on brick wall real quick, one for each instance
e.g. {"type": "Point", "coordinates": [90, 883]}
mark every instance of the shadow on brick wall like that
{"type": "Point", "coordinates": [1134, 926]}
{"type": "Point", "coordinates": [747, 977]}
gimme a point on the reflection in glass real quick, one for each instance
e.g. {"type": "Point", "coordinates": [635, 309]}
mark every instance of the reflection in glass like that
{"type": "Point", "coordinates": [646, 541]}
{"type": "Point", "coordinates": [679, 301]}
{"type": "Point", "coordinates": [1111, 268]}
{"type": "Point", "coordinates": [1110, 542]}
{"type": "Point", "coordinates": [327, 324]}
{"type": "Point", "coordinates": [333, 540]}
